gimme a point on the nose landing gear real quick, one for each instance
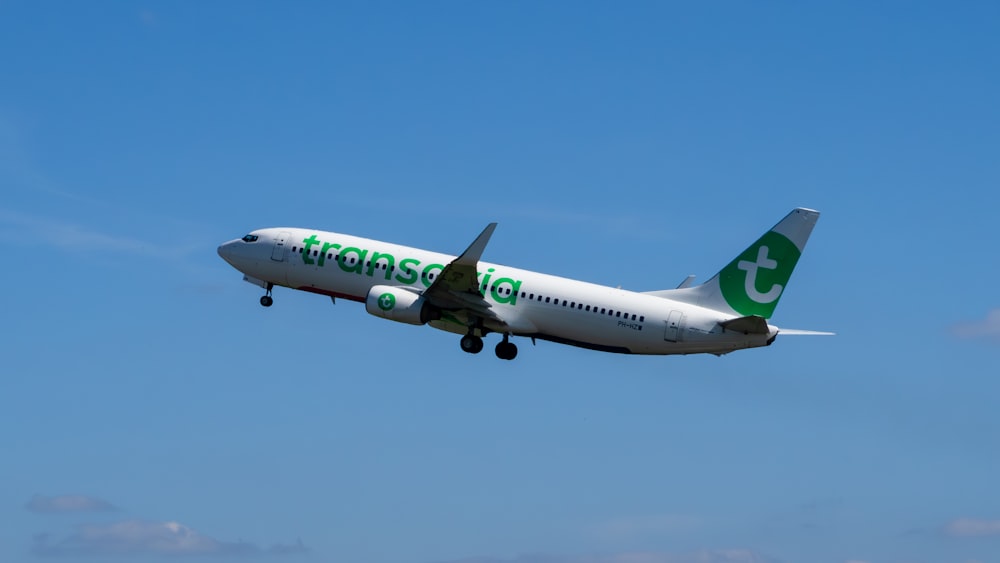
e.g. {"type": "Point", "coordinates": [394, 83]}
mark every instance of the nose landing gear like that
{"type": "Point", "coordinates": [266, 299]}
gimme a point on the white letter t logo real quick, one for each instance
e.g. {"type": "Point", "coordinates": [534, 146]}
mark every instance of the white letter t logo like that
{"type": "Point", "coordinates": [751, 280]}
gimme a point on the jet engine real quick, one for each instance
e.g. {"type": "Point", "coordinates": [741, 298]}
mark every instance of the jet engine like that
{"type": "Point", "coordinates": [400, 304]}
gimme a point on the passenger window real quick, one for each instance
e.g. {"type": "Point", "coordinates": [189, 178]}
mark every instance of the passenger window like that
{"type": "Point", "coordinates": [546, 299]}
{"type": "Point", "coordinates": [618, 314]}
{"type": "Point", "coordinates": [602, 310]}
{"type": "Point", "coordinates": [522, 295]}
{"type": "Point", "coordinates": [588, 307]}
{"type": "Point", "coordinates": [633, 316]}
{"type": "Point", "coordinates": [642, 319]}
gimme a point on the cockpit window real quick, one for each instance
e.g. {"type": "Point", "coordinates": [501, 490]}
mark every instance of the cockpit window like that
{"type": "Point", "coordinates": [250, 238]}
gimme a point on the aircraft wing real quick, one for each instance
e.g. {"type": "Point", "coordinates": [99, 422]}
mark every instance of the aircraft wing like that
{"type": "Point", "coordinates": [457, 287]}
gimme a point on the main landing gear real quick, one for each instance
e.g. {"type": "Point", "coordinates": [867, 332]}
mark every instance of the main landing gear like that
{"type": "Point", "coordinates": [266, 300]}
{"type": "Point", "coordinates": [505, 349]}
{"type": "Point", "coordinates": [471, 344]}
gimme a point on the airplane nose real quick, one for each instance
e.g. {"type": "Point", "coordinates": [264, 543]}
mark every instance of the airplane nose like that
{"type": "Point", "coordinates": [226, 251]}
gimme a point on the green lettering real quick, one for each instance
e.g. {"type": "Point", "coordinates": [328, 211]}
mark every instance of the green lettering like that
{"type": "Point", "coordinates": [308, 244]}
{"type": "Point", "coordinates": [390, 262]}
{"type": "Point", "coordinates": [486, 281]}
{"type": "Point", "coordinates": [322, 253]}
{"type": "Point", "coordinates": [356, 268]}
{"type": "Point", "coordinates": [515, 288]}
{"type": "Point", "coordinates": [425, 278]}
{"type": "Point", "coordinates": [411, 274]}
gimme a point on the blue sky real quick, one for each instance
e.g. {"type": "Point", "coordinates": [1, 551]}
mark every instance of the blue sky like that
{"type": "Point", "coordinates": [150, 408]}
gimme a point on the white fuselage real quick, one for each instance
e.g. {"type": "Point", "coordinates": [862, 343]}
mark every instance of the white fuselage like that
{"type": "Point", "coordinates": [530, 304]}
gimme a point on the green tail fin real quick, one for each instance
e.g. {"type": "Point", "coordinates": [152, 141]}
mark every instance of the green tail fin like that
{"type": "Point", "coordinates": [755, 280]}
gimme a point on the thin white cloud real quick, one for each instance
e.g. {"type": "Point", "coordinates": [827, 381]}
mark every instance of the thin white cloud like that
{"type": "Point", "coordinates": [702, 556]}
{"type": "Point", "coordinates": [18, 170]}
{"type": "Point", "coordinates": [139, 537]}
{"type": "Point", "coordinates": [68, 503]}
{"type": "Point", "coordinates": [640, 526]}
{"type": "Point", "coordinates": [29, 228]}
{"type": "Point", "coordinates": [988, 328]}
{"type": "Point", "coordinates": [972, 528]}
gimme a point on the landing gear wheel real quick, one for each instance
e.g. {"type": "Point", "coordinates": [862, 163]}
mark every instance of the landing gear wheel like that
{"type": "Point", "coordinates": [506, 351]}
{"type": "Point", "coordinates": [266, 300]}
{"type": "Point", "coordinates": [472, 344]}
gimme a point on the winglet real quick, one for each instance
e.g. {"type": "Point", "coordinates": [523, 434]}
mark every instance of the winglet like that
{"type": "Point", "coordinates": [460, 274]}
{"type": "Point", "coordinates": [475, 251]}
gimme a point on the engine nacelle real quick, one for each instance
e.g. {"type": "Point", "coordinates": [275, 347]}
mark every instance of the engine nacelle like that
{"type": "Point", "coordinates": [400, 304]}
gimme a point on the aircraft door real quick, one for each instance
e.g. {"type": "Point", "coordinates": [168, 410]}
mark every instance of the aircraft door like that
{"type": "Point", "coordinates": [675, 326]}
{"type": "Point", "coordinates": [278, 254]}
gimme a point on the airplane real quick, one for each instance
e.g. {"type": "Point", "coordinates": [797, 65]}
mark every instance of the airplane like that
{"type": "Point", "coordinates": [467, 296]}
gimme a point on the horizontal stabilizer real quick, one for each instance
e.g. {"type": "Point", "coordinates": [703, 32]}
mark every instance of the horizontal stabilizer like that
{"type": "Point", "coordinates": [751, 324]}
{"type": "Point", "coordinates": [797, 332]}
{"type": "Point", "coordinates": [687, 282]}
